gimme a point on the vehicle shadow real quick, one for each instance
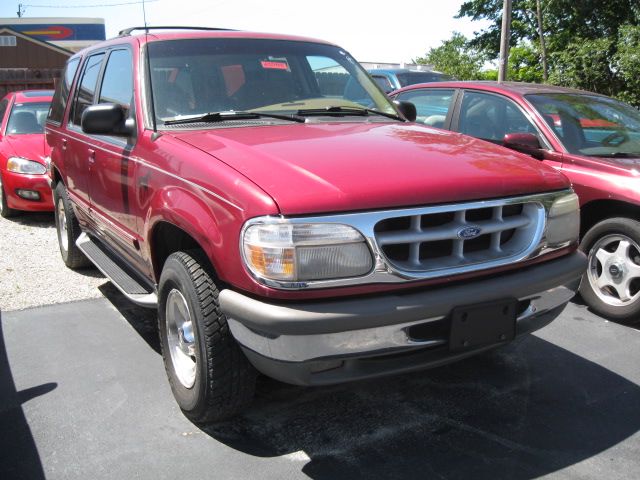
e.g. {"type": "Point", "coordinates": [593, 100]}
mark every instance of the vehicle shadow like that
{"type": "Point", "coordinates": [523, 411]}
{"type": "Point", "coordinates": [33, 219]}
{"type": "Point", "coordinates": [19, 456]}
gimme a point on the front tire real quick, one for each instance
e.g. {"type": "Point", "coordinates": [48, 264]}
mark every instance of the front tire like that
{"type": "Point", "coordinates": [5, 211]}
{"type": "Point", "coordinates": [611, 284]}
{"type": "Point", "coordinates": [68, 229]}
{"type": "Point", "coordinates": [210, 377]}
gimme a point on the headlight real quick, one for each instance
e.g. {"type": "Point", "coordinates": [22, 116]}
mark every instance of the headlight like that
{"type": "Point", "coordinates": [293, 252]}
{"type": "Point", "coordinates": [23, 165]}
{"type": "Point", "coordinates": [563, 221]}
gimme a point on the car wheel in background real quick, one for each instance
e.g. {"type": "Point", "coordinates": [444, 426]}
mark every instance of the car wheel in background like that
{"type": "Point", "coordinates": [68, 229]}
{"type": "Point", "coordinates": [210, 377]}
{"type": "Point", "coordinates": [611, 284]}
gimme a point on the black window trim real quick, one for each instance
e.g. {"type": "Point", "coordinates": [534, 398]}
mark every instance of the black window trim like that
{"type": "Point", "coordinates": [72, 111]}
{"type": "Point", "coordinates": [7, 109]}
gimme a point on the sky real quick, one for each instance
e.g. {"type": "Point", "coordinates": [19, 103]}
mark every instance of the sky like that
{"type": "Point", "coordinates": [371, 31]}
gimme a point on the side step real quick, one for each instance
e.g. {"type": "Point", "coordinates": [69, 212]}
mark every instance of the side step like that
{"type": "Point", "coordinates": [119, 275]}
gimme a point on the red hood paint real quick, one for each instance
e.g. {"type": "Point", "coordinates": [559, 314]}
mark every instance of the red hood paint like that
{"type": "Point", "coordinates": [343, 166]}
{"type": "Point", "coordinates": [32, 146]}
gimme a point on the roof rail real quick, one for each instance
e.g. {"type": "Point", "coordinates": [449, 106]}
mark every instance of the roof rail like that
{"type": "Point", "coordinates": [127, 31]}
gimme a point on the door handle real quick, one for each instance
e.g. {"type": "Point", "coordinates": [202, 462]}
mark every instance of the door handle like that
{"type": "Point", "coordinates": [92, 155]}
{"type": "Point", "coordinates": [64, 144]}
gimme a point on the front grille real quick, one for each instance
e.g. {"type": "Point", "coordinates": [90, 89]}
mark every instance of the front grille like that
{"type": "Point", "coordinates": [439, 238]}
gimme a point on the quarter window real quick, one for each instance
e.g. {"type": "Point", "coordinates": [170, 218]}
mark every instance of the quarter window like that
{"type": "Point", "coordinates": [117, 83]}
{"type": "Point", "coordinates": [432, 105]}
{"type": "Point", "coordinates": [59, 102]}
{"type": "Point", "coordinates": [87, 88]}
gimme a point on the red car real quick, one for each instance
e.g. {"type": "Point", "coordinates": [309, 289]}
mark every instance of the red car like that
{"type": "Point", "coordinates": [591, 138]}
{"type": "Point", "coordinates": [284, 216]}
{"type": "Point", "coordinates": [23, 153]}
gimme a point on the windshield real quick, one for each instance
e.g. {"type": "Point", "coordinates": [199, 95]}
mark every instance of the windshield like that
{"type": "Point", "coordinates": [27, 118]}
{"type": "Point", "coordinates": [196, 76]}
{"type": "Point", "coordinates": [591, 125]}
{"type": "Point", "coordinates": [411, 78]}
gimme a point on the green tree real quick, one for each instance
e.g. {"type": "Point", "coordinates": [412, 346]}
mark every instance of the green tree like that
{"type": "Point", "coordinates": [456, 57]}
{"type": "Point", "coordinates": [627, 63]}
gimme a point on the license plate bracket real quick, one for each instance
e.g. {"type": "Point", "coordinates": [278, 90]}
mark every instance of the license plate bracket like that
{"type": "Point", "coordinates": [482, 324]}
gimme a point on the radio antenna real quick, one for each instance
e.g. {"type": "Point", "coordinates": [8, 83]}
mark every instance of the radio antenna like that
{"type": "Point", "coordinates": [144, 14]}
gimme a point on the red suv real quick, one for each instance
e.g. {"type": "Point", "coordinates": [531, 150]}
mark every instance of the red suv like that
{"type": "Point", "coordinates": [23, 153]}
{"type": "Point", "coordinates": [593, 139]}
{"type": "Point", "coordinates": [283, 215]}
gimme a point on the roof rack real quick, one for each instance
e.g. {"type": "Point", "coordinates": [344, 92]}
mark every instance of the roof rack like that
{"type": "Point", "coordinates": [127, 31]}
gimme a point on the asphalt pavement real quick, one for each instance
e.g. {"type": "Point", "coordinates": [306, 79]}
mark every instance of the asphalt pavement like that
{"type": "Point", "coordinates": [84, 396]}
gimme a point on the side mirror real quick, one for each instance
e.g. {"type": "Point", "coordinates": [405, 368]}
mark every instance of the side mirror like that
{"type": "Point", "coordinates": [106, 119]}
{"type": "Point", "coordinates": [525, 143]}
{"type": "Point", "coordinates": [407, 109]}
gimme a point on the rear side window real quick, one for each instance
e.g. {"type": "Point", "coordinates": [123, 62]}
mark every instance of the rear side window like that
{"type": "Point", "coordinates": [117, 83]}
{"type": "Point", "coordinates": [383, 82]}
{"type": "Point", "coordinates": [59, 102]}
{"type": "Point", "coordinates": [87, 88]}
{"type": "Point", "coordinates": [432, 105]}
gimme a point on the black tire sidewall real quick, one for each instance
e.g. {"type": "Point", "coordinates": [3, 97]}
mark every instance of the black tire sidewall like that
{"type": "Point", "coordinates": [175, 275]}
{"type": "Point", "coordinates": [620, 225]}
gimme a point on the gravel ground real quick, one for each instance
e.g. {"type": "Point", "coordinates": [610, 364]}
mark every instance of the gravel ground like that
{"type": "Point", "coordinates": [31, 269]}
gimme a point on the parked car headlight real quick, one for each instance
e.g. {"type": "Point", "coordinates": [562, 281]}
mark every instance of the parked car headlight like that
{"type": "Point", "coordinates": [26, 166]}
{"type": "Point", "coordinates": [294, 252]}
{"type": "Point", "coordinates": [563, 221]}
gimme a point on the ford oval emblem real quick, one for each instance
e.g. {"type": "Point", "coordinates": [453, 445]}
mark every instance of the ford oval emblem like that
{"type": "Point", "coordinates": [467, 233]}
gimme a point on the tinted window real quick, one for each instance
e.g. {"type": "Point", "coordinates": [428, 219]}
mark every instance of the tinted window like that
{"type": "Point", "coordinates": [117, 83]}
{"type": "Point", "coordinates": [432, 105]}
{"type": "Point", "coordinates": [383, 82]}
{"type": "Point", "coordinates": [87, 87]}
{"type": "Point", "coordinates": [491, 117]}
{"type": "Point", "coordinates": [195, 76]}
{"type": "Point", "coordinates": [27, 118]}
{"type": "Point", "coordinates": [59, 102]}
{"type": "Point", "coordinates": [411, 78]}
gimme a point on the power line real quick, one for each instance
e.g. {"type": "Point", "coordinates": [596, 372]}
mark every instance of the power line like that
{"type": "Point", "coordinates": [89, 6]}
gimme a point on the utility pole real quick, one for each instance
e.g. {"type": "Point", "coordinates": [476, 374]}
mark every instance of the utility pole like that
{"type": "Point", "coordinates": [543, 48]}
{"type": "Point", "coordinates": [505, 34]}
{"type": "Point", "coordinates": [20, 10]}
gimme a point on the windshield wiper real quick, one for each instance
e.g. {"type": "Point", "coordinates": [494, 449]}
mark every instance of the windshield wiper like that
{"type": "Point", "coordinates": [343, 111]}
{"type": "Point", "coordinates": [231, 115]}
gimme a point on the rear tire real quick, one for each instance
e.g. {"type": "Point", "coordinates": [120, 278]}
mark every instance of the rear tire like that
{"type": "Point", "coordinates": [611, 284]}
{"type": "Point", "coordinates": [68, 229]}
{"type": "Point", "coordinates": [210, 377]}
{"type": "Point", "coordinates": [5, 211]}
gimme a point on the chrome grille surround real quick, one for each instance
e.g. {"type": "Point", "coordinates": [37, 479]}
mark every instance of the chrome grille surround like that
{"type": "Point", "coordinates": [528, 240]}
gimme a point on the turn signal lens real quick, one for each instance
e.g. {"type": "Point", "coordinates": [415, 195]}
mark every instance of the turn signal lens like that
{"type": "Point", "coordinates": [563, 222]}
{"type": "Point", "coordinates": [300, 252]}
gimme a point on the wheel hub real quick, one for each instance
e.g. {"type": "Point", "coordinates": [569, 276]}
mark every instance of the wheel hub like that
{"type": "Point", "coordinates": [181, 338]}
{"type": "Point", "coordinates": [614, 271]}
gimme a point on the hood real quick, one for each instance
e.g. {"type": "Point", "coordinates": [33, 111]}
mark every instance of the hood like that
{"type": "Point", "coordinates": [32, 146]}
{"type": "Point", "coordinates": [342, 166]}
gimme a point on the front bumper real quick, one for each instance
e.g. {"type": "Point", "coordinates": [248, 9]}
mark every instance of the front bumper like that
{"type": "Point", "coordinates": [324, 342]}
{"type": "Point", "coordinates": [12, 182]}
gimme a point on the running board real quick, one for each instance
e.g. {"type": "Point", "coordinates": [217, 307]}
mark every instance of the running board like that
{"type": "Point", "coordinates": [112, 268]}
